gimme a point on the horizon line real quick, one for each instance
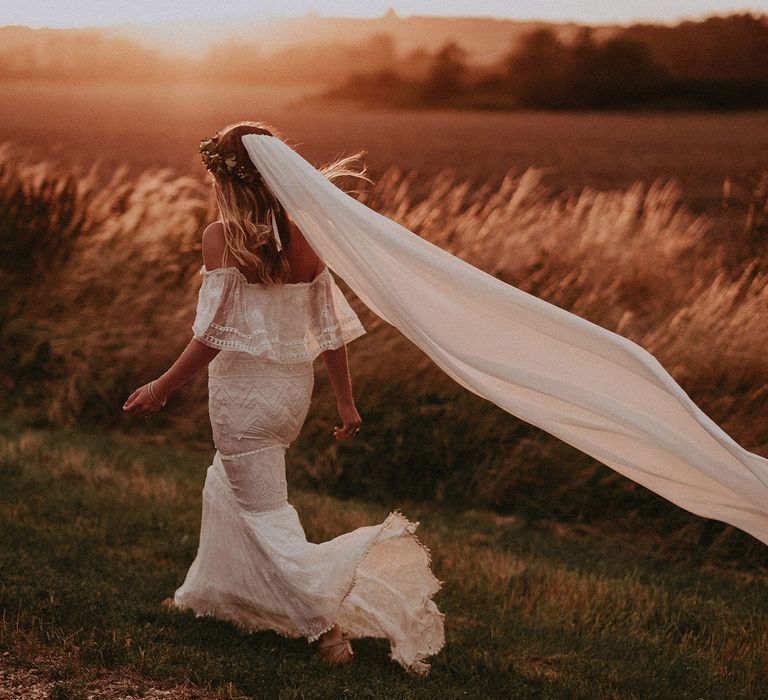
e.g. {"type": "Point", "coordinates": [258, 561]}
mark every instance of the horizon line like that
{"type": "Point", "coordinates": [271, 16]}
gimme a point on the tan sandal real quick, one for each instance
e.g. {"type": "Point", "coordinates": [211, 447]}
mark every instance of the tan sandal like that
{"type": "Point", "coordinates": [342, 653]}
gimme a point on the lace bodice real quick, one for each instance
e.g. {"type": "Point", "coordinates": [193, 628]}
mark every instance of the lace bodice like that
{"type": "Point", "coordinates": [288, 323]}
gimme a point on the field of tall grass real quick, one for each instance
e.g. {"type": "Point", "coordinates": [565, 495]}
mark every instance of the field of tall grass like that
{"type": "Point", "coordinates": [99, 271]}
{"type": "Point", "coordinates": [101, 279]}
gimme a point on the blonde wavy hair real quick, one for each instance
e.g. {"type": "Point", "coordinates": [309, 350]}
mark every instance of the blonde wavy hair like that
{"type": "Point", "coordinates": [245, 201]}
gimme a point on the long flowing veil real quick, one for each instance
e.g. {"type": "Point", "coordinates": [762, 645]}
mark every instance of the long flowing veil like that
{"type": "Point", "coordinates": [592, 388]}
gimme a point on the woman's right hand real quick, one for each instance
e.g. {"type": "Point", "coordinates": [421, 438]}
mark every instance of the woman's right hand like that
{"type": "Point", "coordinates": [351, 421]}
{"type": "Point", "coordinates": [142, 403]}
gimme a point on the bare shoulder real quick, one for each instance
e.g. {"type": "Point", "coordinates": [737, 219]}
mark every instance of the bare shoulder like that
{"type": "Point", "coordinates": [213, 245]}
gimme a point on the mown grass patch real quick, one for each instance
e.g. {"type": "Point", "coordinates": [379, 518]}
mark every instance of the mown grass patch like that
{"type": "Point", "coordinates": [97, 529]}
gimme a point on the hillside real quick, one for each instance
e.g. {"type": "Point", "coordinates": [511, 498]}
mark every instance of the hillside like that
{"type": "Point", "coordinates": [483, 37]}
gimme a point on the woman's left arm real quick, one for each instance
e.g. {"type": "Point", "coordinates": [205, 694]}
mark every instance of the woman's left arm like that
{"type": "Point", "coordinates": [337, 364]}
{"type": "Point", "coordinates": [195, 356]}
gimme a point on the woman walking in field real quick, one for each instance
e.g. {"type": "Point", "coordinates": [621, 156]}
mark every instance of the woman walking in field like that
{"type": "Point", "coordinates": [267, 307]}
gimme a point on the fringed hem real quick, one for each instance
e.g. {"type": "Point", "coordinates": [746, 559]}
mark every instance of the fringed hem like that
{"type": "Point", "coordinates": [244, 627]}
{"type": "Point", "coordinates": [416, 664]}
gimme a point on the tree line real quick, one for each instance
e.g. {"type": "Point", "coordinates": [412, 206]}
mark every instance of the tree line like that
{"type": "Point", "coordinates": [641, 67]}
{"type": "Point", "coordinates": [718, 63]}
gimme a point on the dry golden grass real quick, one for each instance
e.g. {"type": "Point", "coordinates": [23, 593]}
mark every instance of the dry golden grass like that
{"type": "Point", "coordinates": [637, 262]}
{"type": "Point", "coordinates": [102, 280]}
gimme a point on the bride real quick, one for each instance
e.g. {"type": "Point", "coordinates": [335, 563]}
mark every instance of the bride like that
{"type": "Point", "coordinates": [267, 307]}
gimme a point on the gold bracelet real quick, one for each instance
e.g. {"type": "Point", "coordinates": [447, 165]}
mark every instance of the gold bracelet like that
{"type": "Point", "coordinates": [152, 394]}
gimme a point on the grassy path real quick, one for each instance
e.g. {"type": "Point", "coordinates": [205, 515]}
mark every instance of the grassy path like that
{"type": "Point", "coordinates": [96, 529]}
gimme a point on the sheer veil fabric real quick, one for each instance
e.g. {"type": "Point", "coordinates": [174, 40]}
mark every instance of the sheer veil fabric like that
{"type": "Point", "coordinates": [592, 388]}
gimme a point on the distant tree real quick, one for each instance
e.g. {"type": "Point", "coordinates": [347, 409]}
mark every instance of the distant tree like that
{"type": "Point", "coordinates": [718, 48]}
{"type": "Point", "coordinates": [617, 73]}
{"type": "Point", "coordinates": [416, 65]}
{"type": "Point", "coordinates": [445, 80]}
{"type": "Point", "coordinates": [544, 73]}
{"type": "Point", "coordinates": [536, 71]}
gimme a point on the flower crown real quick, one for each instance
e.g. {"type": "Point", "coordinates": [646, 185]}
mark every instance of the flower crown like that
{"type": "Point", "coordinates": [223, 165]}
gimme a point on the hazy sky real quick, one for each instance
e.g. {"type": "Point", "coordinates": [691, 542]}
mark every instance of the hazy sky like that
{"type": "Point", "coordinates": [78, 13]}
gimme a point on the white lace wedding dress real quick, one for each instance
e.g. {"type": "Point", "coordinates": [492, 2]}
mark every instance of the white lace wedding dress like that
{"type": "Point", "coordinates": [254, 566]}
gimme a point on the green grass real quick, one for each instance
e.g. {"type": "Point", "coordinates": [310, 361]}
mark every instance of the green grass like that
{"type": "Point", "coordinates": [97, 528]}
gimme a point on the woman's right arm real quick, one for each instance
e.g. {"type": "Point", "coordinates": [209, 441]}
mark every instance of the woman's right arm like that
{"type": "Point", "coordinates": [193, 358]}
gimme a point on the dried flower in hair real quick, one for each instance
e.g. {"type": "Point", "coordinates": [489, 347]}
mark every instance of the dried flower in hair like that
{"type": "Point", "coordinates": [223, 165]}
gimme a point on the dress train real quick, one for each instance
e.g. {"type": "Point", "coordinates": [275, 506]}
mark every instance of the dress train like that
{"type": "Point", "coordinates": [255, 567]}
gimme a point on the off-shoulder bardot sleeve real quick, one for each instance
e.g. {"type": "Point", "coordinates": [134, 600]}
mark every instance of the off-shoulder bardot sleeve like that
{"type": "Point", "coordinates": [289, 323]}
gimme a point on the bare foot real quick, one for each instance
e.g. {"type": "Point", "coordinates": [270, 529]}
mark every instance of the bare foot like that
{"type": "Point", "coordinates": [168, 603]}
{"type": "Point", "coordinates": [334, 647]}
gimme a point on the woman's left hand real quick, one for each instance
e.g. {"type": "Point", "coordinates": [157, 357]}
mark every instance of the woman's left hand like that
{"type": "Point", "coordinates": [140, 402]}
{"type": "Point", "coordinates": [351, 419]}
